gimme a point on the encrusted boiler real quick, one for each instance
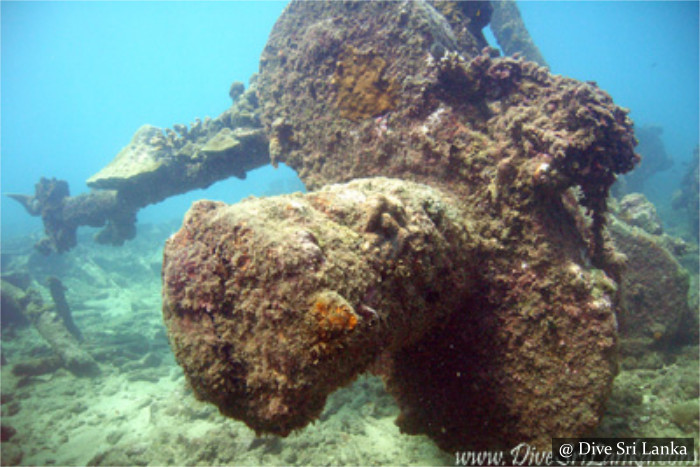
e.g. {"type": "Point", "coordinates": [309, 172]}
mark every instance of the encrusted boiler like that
{"type": "Point", "coordinates": [477, 280]}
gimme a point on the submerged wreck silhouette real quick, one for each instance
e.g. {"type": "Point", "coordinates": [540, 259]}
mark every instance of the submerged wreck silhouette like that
{"type": "Point", "coordinates": [455, 243]}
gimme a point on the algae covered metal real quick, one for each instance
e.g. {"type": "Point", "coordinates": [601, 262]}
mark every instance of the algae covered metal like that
{"type": "Point", "coordinates": [478, 280]}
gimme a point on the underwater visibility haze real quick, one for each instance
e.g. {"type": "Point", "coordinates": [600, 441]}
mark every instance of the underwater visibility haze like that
{"type": "Point", "coordinates": [345, 232]}
{"type": "Point", "coordinates": [80, 77]}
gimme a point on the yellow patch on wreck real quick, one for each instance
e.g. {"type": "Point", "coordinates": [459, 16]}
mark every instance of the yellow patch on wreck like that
{"type": "Point", "coordinates": [363, 90]}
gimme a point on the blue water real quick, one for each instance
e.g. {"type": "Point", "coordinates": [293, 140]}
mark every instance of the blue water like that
{"type": "Point", "coordinates": [79, 78]}
{"type": "Point", "coordinates": [644, 53]}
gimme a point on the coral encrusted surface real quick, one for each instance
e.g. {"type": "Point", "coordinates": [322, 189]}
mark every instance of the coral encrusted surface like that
{"type": "Point", "coordinates": [478, 280]}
